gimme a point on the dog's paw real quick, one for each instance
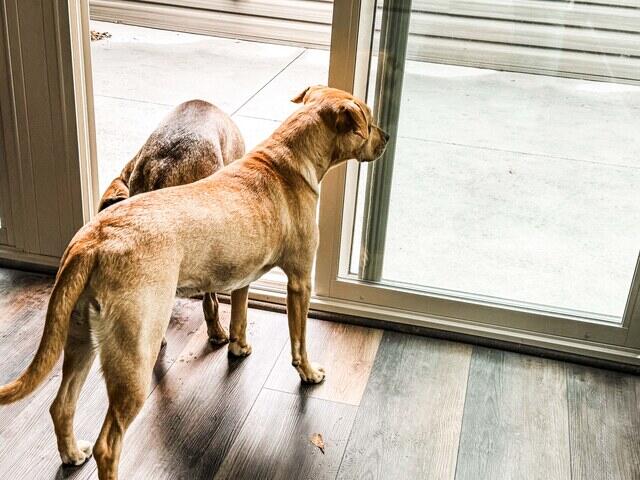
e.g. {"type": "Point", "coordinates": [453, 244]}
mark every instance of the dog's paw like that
{"type": "Point", "coordinates": [218, 339]}
{"type": "Point", "coordinates": [238, 350]}
{"type": "Point", "coordinates": [80, 456]}
{"type": "Point", "coordinates": [311, 374]}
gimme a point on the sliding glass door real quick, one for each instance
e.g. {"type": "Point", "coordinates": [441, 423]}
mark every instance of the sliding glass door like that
{"type": "Point", "coordinates": [508, 202]}
{"type": "Point", "coordinates": [509, 196]}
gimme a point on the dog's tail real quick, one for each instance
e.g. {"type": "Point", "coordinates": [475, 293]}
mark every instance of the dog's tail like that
{"type": "Point", "coordinates": [117, 191]}
{"type": "Point", "coordinates": [74, 273]}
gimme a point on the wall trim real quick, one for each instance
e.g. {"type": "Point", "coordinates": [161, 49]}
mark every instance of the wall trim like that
{"type": "Point", "coordinates": [11, 257]}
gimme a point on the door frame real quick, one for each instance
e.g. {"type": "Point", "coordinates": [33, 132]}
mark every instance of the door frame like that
{"type": "Point", "coordinates": [80, 37]}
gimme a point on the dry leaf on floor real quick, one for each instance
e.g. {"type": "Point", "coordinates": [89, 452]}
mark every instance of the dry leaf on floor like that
{"type": "Point", "coordinates": [317, 440]}
{"type": "Point", "coordinates": [95, 35]}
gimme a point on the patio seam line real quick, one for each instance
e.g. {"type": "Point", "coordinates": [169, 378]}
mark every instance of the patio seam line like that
{"type": "Point", "coordinates": [544, 155]}
{"type": "Point", "coordinates": [271, 80]}
{"type": "Point", "coordinates": [256, 118]}
{"type": "Point", "coordinates": [95, 95]}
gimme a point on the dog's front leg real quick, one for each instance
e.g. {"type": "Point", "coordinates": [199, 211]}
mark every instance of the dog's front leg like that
{"type": "Point", "coordinates": [238, 325]}
{"type": "Point", "coordinates": [298, 295]}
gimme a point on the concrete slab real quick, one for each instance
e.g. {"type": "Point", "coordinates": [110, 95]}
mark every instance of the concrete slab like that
{"type": "Point", "coordinates": [274, 100]}
{"type": "Point", "coordinates": [559, 117]}
{"type": "Point", "coordinates": [522, 227]}
{"type": "Point", "coordinates": [170, 67]}
{"type": "Point", "coordinates": [122, 127]}
{"type": "Point", "coordinates": [255, 130]}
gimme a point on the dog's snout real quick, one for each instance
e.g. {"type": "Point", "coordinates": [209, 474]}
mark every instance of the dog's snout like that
{"type": "Point", "coordinates": [385, 135]}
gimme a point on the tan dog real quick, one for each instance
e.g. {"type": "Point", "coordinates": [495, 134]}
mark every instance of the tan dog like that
{"type": "Point", "coordinates": [195, 140]}
{"type": "Point", "coordinates": [120, 272]}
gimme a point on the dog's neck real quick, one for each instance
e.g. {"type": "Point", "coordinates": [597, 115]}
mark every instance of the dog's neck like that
{"type": "Point", "coordinates": [304, 144]}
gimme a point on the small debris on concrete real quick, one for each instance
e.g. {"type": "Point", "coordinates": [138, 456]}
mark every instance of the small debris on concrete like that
{"type": "Point", "coordinates": [95, 35]}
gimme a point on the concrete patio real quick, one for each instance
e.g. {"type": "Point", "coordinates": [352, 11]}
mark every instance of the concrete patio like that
{"type": "Point", "coordinates": [507, 185]}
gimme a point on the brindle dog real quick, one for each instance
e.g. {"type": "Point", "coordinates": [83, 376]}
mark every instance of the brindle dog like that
{"type": "Point", "coordinates": [195, 140]}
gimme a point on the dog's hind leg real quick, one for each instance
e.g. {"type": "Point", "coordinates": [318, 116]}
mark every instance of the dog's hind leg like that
{"type": "Point", "coordinates": [126, 397]}
{"type": "Point", "coordinates": [217, 334]}
{"type": "Point", "coordinates": [238, 327]}
{"type": "Point", "coordinates": [128, 356]}
{"type": "Point", "coordinates": [78, 358]}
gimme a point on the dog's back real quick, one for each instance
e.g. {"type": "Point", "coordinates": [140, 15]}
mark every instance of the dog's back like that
{"type": "Point", "coordinates": [194, 141]}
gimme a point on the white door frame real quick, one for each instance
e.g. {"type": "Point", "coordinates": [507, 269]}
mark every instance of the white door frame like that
{"type": "Point", "coordinates": [83, 85]}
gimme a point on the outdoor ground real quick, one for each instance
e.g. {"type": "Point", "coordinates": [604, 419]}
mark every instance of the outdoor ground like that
{"type": "Point", "coordinates": [510, 185]}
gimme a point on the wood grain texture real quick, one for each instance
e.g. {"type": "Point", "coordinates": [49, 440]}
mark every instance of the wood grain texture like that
{"type": "Point", "coordinates": [207, 414]}
{"type": "Point", "coordinates": [347, 353]}
{"type": "Point", "coordinates": [409, 421]}
{"type": "Point", "coordinates": [515, 420]}
{"type": "Point", "coordinates": [274, 442]}
{"type": "Point", "coordinates": [22, 312]}
{"type": "Point", "coordinates": [28, 442]}
{"type": "Point", "coordinates": [190, 421]}
{"type": "Point", "coordinates": [604, 412]}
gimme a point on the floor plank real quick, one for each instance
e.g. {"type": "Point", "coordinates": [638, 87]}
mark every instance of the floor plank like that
{"type": "Point", "coordinates": [274, 442]}
{"type": "Point", "coordinates": [190, 421]}
{"type": "Point", "coordinates": [515, 421]}
{"type": "Point", "coordinates": [20, 289]}
{"type": "Point", "coordinates": [604, 410]}
{"type": "Point", "coordinates": [28, 442]}
{"type": "Point", "coordinates": [409, 421]}
{"type": "Point", "coordinates": [345, 351]}
{"type": "Point", "coordinates": [23, 302]}
{"type": "Point", "coordinates": [524, 417]}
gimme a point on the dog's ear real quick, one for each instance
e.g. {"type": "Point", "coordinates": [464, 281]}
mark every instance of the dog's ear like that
{"type": "Point", "coordinates": [351, 118]}
{"type": "Point", "coordinates": [116, 192]}
{"type": "Point", "coordinates": [107, 202]}
{"type": "Point", "coordinates": [307, 94]}
{"type": "Point", "coordinates": [300, 97]}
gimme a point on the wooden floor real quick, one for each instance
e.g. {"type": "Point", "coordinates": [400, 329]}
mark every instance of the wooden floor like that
{"type": "Point", "coordinates": [393, 406]}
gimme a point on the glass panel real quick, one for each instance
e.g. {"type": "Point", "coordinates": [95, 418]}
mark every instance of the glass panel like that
{"type": "Point", "coordinates": [516, 169]}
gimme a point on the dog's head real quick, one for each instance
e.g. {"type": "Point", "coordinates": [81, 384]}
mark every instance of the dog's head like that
{"type": "Point", "coordinates": [350, 119]}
